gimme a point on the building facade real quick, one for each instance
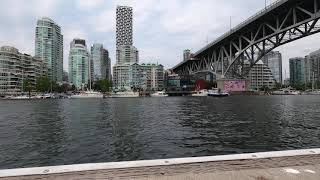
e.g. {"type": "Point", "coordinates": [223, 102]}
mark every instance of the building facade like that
{"type": "Point", "coordinates": [100, 63]}
{"type": "Point", "coordinates": [15, 68]}
{"type": "Point", "coordinates": [312, 67]}
{"type": "Point", "coordinates": [274, 61]}
{"type": "Point", "coordinates": [260, 76]}
{"type": "Point", "coordinates": [127, 76]}
{"type": "Point", "coordinates": [297, 71]}
{"type": "Point", "coordinates": [153, 77]}
{"type": "Point", "coordinates": [147, 77]}
{"type": "Point", "coordinates": [124, 29]}
{"type": "Point", "coordinates": [79, 64]}
{"type": "Point", "coordinates": [49, 47]}
{"type": "Point", "coordinates": [127, 54]}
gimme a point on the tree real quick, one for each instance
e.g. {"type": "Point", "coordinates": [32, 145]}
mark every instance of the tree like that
{"type": "Point", "coordinates": [265, 89]}
{"type": "Point", "coordinates": [277, 86]}
{"type": "Point", "coordinates": [27, 86]}
{"type": "Point", "coordinates": [103, 85]}
{"type": "Point", "coordinates": [43, 84]}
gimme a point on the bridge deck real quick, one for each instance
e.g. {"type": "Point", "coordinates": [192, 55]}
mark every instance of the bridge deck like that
{"type": "Point", "coordinates": [293, 165]}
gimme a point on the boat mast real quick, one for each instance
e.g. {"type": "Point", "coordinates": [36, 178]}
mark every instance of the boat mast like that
{"type": "Point", "coordinates": [312, 81]}
{"type": "Point", "coordinates": [89, 74]}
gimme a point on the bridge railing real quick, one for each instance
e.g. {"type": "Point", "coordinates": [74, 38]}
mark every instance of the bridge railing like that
{"type": "Point", "coordinates": [239, 26]}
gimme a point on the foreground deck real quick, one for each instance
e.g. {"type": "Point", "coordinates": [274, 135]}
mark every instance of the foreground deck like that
{"type": "Point", "coordinates": [293, 165]}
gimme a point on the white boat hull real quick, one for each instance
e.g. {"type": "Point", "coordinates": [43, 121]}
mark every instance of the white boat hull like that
{"type": "Point", "coordinates": [87, 95]}
{"type": "Point", "coordinates": [125, 95]}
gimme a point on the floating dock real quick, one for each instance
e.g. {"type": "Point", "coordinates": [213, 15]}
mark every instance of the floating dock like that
{"type": "Point", "coordinates": [283, 165]}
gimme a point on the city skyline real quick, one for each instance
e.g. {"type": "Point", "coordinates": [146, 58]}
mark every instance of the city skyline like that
{"type": "Point", "coordinates": [153, 28]}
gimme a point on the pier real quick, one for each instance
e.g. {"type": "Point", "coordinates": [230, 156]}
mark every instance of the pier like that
{"type": "Point", "coordinates": [293, 165]}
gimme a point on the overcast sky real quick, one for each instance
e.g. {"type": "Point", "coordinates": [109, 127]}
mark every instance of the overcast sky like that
{"type": "Point", "coordinates": [162, 28]}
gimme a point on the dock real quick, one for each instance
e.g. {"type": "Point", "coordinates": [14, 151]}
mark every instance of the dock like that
{"type": "Point", "coordinates": [283, 165]}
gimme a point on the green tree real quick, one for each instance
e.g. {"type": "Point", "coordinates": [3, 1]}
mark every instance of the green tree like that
{"type": "Point", "coordinates": [300, 87]}
{"type": "Point", "coordinates": [27, 86]}
{"type": "Point", "coordinates": [277, 86]}
{"type": "Point", "coordinates": [265, 89]}
{"type": "Point", "coordinates": [103, 85]}
{"type": "Point", "coordinates": [43, 84]}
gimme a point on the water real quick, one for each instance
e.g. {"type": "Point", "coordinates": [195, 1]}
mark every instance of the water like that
{"type": "Point", "coordinates": [58, 132]}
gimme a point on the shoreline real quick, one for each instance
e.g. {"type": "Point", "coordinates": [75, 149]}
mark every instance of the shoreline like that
{"type": "Point", "coordinates": [266, 161]}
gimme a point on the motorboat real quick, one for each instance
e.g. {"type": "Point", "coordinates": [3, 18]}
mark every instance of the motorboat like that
{"type": "Point", "coordinates": [217, 93]}
{"type": "Point", "coordinates": [159, 94]}
{"type": "Point", "coordinates": [126, 94]}
{"type": "Point", "coordinates": [87, 94]}
{"type": "Point", "coordinates": [201, 93]}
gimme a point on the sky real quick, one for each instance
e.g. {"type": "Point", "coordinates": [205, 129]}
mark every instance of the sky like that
{"type": "Point", "coordinates": [162, 28]}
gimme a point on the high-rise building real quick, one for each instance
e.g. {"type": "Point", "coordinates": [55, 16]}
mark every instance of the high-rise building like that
{"type": "Point", "coordinates": [79, 64]}
{"type": "Point", "coordinates": [100, 62]}
{"type": "Point", "coordinates": [312, 67]}
{"type": "Point", "coordinates": [186, 55]}
{"type": "Point", "coordinates": [49, 47]}
{"type": "Point", "coordinates": [126, 52]}
{"type": "Point", "coordinates": [260, 76]}
{"type": "Point", "coordinates": [297, 71]}
{"type": "Point", "coordinates": [274, 61]}
{"type": "Point", "coordinates": [125, 71]}
{"type": "Point", "coordinates": [124, 26]}
{"type": "Point", "coordinates": [108, 68]}
{"type": "Point", "coordinates": [16, 67]}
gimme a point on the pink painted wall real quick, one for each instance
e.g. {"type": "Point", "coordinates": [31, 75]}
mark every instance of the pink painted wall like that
{"type": "Point", "coordinates": [235, 86]}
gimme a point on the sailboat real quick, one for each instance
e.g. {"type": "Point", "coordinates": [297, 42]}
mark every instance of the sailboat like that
{"type": "Point", "coordinates": [89, 93]}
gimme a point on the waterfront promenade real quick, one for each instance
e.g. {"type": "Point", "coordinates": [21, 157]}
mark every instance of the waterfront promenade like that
{"type": "Point", "coordinates": [293, 165]}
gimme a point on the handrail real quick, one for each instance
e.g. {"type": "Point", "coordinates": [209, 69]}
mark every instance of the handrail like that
{"type": "Point", "coordinates": [239, 26]}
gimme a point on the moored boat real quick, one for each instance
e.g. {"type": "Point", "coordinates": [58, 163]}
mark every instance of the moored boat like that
{"type": "Point", "coordinates": [126, 94]}
{"type": "Point", "coordinates": [87, 94]}
{"type": "Point", "coordinates": [159, 94]}
{"type": "Point", "coordinates": [201, 93]}
{"type": "Point", "coordinates": [286, 92]}
{"type": "Point", "coordinates": [217, 93]}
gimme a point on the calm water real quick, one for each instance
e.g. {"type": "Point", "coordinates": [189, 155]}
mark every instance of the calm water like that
{"type": "Point", "coordinates": [56, 132]}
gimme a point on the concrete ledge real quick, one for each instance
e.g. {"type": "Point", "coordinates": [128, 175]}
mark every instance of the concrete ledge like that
{"type": "Point", "coordinates": [151, 163]}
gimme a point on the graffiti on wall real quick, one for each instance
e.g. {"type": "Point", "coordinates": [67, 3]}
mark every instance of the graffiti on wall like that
{"type": "Point", "coordinates": [235, 86]}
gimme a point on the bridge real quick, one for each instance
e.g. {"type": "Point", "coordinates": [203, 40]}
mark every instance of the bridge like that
{"type": "Point", "coordinates": [233, 54]}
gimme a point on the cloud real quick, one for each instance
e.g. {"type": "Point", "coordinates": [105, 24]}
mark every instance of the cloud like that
{"type": "Point", "coordinates": [104, 21]}
{"type": "Point", "coordinates": [162, 29]}
{"type": "Point", "coordinates": [89, 4]}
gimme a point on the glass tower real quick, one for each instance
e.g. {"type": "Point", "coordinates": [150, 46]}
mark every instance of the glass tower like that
{"type": "Point", "coordinates": [79, 64]}
{"type": "Point", "coordinates": [297, 71]}
{"type": "Point", "coordinates": [49, 47]}
{"type": "Point", "coordinates": [100, 62]}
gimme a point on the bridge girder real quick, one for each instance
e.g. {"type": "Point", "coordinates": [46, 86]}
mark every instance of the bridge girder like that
{"type": "Point", "coordinates": [236, 54]}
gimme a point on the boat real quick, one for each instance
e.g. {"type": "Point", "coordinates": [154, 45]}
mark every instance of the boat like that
{"type": "Point", "coordinates": [22, 97]}
{"type": "Point", "coordinates": [87, 94]}
{"type": "Point", "coordinates": [126, 94]}
{"type": "Point", "coordinates": [286, 92]}
{"type": "Point", "coordinates": [201, 93]}
{"type": "Point", "coordinates": [159, 94]}
{"type": "Point", "coordinates": [217, 93]}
